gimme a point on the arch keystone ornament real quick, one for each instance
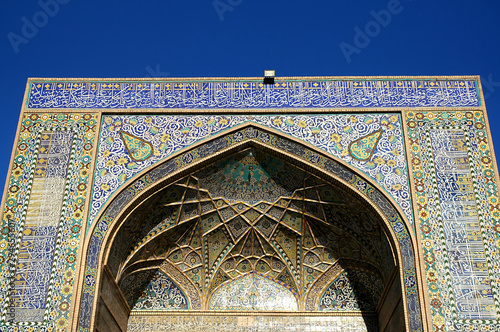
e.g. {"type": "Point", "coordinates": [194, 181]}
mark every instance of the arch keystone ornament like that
{"type": "Point", "coordinates": [216, 204]}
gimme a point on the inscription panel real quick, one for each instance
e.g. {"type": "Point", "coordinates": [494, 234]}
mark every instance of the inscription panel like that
{"type": "Point", "coordinates": [30, 286]}
{"type": "Point", "coordinates": [467, 260]}
{"type": "Point", "coordinates": [235, 323]}
{"type": "Point", "coordinates": [253, 94]}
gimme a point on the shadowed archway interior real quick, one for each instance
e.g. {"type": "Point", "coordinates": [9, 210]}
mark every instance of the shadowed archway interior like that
{"type": "Point", "coordinates": [253, 234]}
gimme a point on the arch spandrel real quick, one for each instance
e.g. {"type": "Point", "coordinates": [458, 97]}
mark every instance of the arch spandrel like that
{"type": "Point", "coordinates": [371, 143]}
{"type": "Point", "coordinates": [251, 135]}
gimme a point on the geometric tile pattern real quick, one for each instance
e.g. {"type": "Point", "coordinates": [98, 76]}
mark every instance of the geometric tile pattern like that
{"type": "Point", "coordinates": [253, 94]}
{"type": "Point", "coordinates": [38, 243]}
{"type": "Point", "coordinates": [257, 255]}
{"type": "Point", "coordinates": [247, 180]}
{"type": "Point", "coordinates": [454, 178]}
{"type": "Point", "coordinates": [289, 239]}
{"type": "Point", "coordinates": [260, 136]}
{"type": "Point", "coordinates": [40, 235]}
{"type": "Point", "coordinates": [334, 133]}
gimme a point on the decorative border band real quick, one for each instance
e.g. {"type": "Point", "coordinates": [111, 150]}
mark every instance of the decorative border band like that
{"type": "Point", "coordinates": [251, 94]}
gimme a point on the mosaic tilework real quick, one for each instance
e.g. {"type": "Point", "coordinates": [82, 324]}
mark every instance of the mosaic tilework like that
{"type": "Point", "coordinates": [134, 285]}
{"type": "Point", "coordinates": [234, 323]}
{"type": "Point", "coordinates": [203, 95]}
{"type": "Point", "coordinates": [247, 180]}
{"type": "Point", "coordinates": [253, 292]}
{"type": "Point", "coordinates": [189, 289]}
{"type": "Point", "coordinates": [454, 176]}
{"type": "Point", "coordinates": [250, 134]}
{"type": "Point", "coordinates": [162, 294]}
{"type": "Point", "coordinates": [57, 225]}
{"type": "Point", "coordinates": [331, 133]}
{"type": "Point", "coordinates": [38, 243]}
{"type": "Point", "coordinates": [352, 290]}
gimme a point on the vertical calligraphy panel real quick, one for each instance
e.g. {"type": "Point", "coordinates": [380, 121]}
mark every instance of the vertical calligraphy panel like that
{"type": "Point", "coordinates": [38, 243]}
{"type": "Point", "coordinates": [454, 181]}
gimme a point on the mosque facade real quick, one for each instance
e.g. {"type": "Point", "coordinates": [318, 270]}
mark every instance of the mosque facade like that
{"type": "Point", "coordinates": [252, 204]}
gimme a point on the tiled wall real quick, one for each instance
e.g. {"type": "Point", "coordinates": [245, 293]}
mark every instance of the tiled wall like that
{"type": "Point", "coordinates": [452, 177]}
{"type": "Point", "coordinates": [42, 219]}
{"type": "Point", "coordinates": [458, 217]}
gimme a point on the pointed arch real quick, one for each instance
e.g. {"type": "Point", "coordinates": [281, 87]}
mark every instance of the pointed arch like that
{"type": "Point", "coordinates": [150, 181]}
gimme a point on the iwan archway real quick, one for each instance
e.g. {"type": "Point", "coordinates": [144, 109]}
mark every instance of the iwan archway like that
{"type": "Point", "coordinates": [248, 229]}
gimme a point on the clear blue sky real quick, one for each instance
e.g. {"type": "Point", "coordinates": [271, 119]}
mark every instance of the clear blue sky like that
{"type": "Point", "coordinates": [205, 38]}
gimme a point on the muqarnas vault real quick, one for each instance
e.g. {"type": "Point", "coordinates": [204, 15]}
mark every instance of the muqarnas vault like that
{"type": "Point", "coordinates": [238, 204]}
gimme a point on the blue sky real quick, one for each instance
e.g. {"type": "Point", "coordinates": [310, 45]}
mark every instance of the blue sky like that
{"type": "Point", "coordinates": [228, 38]}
